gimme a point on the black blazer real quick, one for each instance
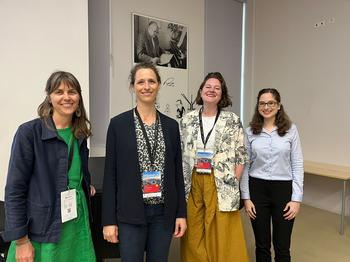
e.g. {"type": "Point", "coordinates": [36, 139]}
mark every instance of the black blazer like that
{"type": "Point", "coordinates": [122, 199]}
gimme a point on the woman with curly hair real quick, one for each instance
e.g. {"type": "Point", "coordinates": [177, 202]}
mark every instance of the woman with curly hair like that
{"type": "Point", "coordinates": [272, 183]}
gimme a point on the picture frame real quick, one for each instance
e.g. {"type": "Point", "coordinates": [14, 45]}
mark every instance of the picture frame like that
{"type": "Point", "coordinates": [159, 41]}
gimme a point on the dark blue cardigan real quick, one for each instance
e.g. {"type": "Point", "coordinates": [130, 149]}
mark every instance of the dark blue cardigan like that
{"type": "Point", "coordinates": [122, 194]}
{"type": "Point", "coordinates": [36, 177]}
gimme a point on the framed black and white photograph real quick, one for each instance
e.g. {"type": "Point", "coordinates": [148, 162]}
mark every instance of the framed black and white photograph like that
{"type": "Point", "coordinates": [164, 43]}
{"type": "Point", "coordinates": [161, 42]}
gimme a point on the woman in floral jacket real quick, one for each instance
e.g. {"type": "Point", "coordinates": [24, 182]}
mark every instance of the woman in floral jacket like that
{"type": "Point", "coordinates": [213, 160]}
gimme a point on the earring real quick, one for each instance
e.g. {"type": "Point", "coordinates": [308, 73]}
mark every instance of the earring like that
{"type": "Point", "coordinates": [78, 113]}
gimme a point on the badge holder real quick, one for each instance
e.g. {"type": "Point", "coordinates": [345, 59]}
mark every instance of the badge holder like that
{"type": "Point", "coordinates": [68, 205]}
{"type": "Point", "coordinates": [204, 159]}
{"type": "Point", "coordinates": [151, 181]}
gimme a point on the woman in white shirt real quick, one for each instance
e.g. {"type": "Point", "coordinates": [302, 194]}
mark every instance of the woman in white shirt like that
{"type": "Point", "coordinates": [272, 183]}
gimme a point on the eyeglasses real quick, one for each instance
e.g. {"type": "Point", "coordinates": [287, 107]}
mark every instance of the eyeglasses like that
{"type": "Point", "coordinates": [269, 104]}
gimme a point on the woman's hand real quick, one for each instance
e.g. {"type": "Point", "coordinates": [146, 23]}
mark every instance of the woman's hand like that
{"type": "Point", "coordinates": [291, 210]}
{"type": "Point", "coordinates": [250, 208]}
{"type": "Point", "coordinates": [110, 233]}
{"type": "Point", "coordinates": [92, 190]}
{"type": "Point", "coordinates": [24, 250]}
{"type": "Point", "coordinates": [180, 227]}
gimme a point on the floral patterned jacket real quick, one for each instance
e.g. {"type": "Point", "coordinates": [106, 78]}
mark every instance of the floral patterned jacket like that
{"type": "Point", "coordinates": [229, 152]}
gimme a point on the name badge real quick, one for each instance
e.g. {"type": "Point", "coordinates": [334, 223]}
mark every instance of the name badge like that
{"type": "Point", "coordinates": [204, 159]}
{"type": "Point", "coordinates": [68, 205]}
{"type": "Point", "coordinates": [151, 181]}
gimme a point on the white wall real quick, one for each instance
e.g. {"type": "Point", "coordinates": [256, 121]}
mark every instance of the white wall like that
{"type": "Point", "coordinates": [310, 67]}
{"type": "Point", "coordinates": [37, 38]}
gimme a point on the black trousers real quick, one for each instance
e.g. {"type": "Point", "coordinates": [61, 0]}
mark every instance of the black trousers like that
{"type": "Point", "coordinates": [270, 198]}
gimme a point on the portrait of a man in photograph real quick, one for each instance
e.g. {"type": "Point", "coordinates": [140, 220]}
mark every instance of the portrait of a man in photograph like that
{"type": "Point", "coordinates": [159, 42]}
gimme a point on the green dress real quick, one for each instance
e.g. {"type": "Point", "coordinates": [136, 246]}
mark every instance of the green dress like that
{"type": "Point", "coordinates": [75, 243]}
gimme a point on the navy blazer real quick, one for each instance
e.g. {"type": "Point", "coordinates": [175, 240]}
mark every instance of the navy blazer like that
{"type": "Point", "coordinates": [122, 199]}
{"type": "Point", "coordinates": [36, 177]}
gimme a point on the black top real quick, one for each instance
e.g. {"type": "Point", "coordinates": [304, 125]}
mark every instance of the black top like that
{"type": "Point", "coordinates": [122, 199]}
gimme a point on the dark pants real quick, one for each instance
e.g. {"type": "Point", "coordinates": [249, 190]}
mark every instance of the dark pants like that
{"type": "Point", "coordinates": [270, 198]}
{"type": "Point", "coordinates": [154, 238]}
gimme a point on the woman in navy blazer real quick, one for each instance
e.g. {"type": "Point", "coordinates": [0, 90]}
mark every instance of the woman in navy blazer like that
{"type": "Point", "coordinates": [143, 190]}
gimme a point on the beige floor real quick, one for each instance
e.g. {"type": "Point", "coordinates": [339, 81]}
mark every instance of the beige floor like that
{"type": "Point", "coordinates": [315, 238]}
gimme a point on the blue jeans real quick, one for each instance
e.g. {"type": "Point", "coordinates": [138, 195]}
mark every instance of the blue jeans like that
{"type": "Point", "coordinates": [154, 237]}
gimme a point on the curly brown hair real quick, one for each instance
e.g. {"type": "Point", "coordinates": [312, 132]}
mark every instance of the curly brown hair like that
{"type": "Point", "coordinates": [81, 126]}
{"type": "Point", "coordinates": [282, 120]}
{"type": "Point", "coordinates": [225, 100]}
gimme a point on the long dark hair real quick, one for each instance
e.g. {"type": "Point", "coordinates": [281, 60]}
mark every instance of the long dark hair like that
{"type": "Point", "coordinates": [81, 126]}
{"type": "Point", "coordinates": [282, 120]}
{"type": "Point", "coordinates": [225, 100]}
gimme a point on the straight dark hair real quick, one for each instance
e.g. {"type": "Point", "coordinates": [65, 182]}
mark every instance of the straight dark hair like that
{"type": "Point", "coordinates": [225, 100]}
{"type": "Point", "coordinates": [81, 126]}
{"type": "Point", "coordinates": [282, 120]}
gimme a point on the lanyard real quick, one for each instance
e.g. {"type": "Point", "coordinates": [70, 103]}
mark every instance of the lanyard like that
{"type": "Point", "coordinates": [71, 151]}
{"type": "Point", "coordinates": [70, 157]}
{"type": "Point", "coordinates": [201, 126]}
{"type": "Point", "coordinates": [151, 151]}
